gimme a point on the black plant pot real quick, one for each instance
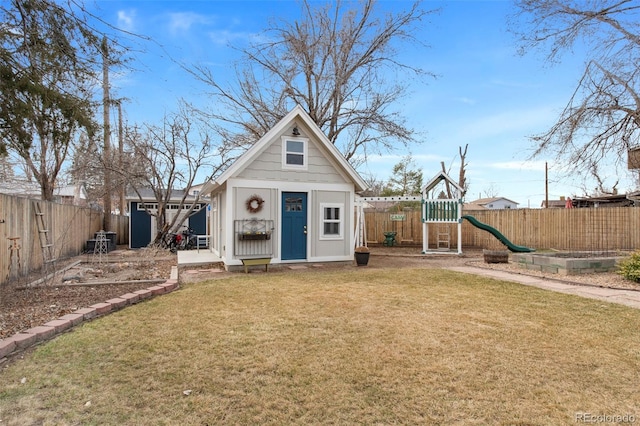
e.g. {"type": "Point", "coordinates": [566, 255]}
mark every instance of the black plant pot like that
{"type": "Point", "coordinates": [362, 259]}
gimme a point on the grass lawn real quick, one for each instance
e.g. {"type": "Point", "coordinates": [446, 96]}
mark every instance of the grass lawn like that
{"type": "Point", "coordinates": [333, 347]}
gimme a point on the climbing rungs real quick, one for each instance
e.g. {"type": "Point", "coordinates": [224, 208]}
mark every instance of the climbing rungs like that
{"type": "Point", "coordinates": [45, 241]}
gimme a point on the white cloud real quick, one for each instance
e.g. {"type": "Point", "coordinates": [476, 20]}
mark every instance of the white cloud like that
{"type": "Point", "coordinates": [181, 22]}
{"type": "Point", "coordinates": [521, 122]}
{"type": "Point", "coordinates": [518, 165]}
{"type": "Point", "coordinates": [466, 101]}
{"type": "Point", "coordinates": [126, 19]}
{"type": "Point", "coordinates": [393, 159]}
{"type": "Point", "coordinates": [224, 37]}
{"type": "Point", "coordinates": [515, 84]}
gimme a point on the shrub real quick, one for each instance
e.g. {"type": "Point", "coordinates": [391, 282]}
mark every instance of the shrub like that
{"type": "Point", "coordinates": [630, 267]}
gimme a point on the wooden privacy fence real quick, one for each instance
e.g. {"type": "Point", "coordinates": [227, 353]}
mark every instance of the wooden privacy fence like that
{"type": "Point", "coordinates": [69, 227]}
{"type": "Point", "coordinates": [593, 229]}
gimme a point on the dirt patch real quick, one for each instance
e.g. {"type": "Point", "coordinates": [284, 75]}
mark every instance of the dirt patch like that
{"type": "Point", "coordinates": [410, 257]}
{"type": "Point", "coordinates": [399, 257]}
{"type": "Point", "coordinates": [79, 282]}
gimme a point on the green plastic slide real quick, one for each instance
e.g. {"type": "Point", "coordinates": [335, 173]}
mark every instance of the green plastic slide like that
{"type": "Point", "coordinates": [514, 248]}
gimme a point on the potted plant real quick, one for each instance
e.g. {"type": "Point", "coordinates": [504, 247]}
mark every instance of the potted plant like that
{"type": "Point", "coordinates": [362, 255]}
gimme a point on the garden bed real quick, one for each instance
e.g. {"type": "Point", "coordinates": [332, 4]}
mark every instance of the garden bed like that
{"type": "Point", "coordinates": [567, 263]}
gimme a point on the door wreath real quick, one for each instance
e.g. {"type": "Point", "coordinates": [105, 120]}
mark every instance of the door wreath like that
{"type": "Point", "coordinates": [254, 204]}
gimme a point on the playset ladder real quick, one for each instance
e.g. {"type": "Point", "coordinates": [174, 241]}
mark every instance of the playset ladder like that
{"type": "Point", "coordinates": [444, 237]}
{"type": "Point", "coordinates": [43, 233]}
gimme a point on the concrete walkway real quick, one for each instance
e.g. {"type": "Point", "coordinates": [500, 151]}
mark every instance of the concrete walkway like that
{"type": "Point", "coordinates": [623, 297]}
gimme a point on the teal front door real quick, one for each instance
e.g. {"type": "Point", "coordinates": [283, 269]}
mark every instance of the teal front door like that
{"type": "Point", "coordinates": [294, 225]}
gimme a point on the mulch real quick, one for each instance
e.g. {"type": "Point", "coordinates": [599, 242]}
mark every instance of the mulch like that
{"type": "Point", "coordinates": [35, 300]}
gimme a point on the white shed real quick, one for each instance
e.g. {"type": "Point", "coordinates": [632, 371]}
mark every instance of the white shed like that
{"type": "Point", "coordinates": [289, 198]}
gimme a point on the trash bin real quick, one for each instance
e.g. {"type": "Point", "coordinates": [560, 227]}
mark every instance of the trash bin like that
{"type": "Point", "coordinates": [389, 239]}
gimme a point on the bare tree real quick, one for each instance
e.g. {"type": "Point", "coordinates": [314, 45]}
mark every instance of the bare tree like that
{"type": "Point", "coordinates": [335, 62]}
{"type": "Point", "coordinates": [600, 188]}
{"type": "Point", "coordinates": [492, 191]}
{"type": "Point", "coordinates": [375, 186]}
{"type": "Point", "coordinates": [462, 176]}
{"type": "Point", "coordinates": [87, 167]}
{"type": "Point", "coordinates": [602, 117]}
{"type": "Point", "coordinates": [168, 158]}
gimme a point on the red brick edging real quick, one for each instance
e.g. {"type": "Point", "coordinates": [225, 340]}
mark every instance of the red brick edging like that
{"type": "Point", "coordinates": [35, 335]}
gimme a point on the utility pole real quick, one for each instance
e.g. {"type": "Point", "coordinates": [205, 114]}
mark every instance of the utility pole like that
{"type": "Point", "coordinates": [106, 103]}
{"type": "Point", "coordinates": [121, 155]}
{"type": "Point", "coordinates": [546, 185]}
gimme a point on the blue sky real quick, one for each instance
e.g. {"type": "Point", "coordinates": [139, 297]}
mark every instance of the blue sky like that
{"type": "Point", "coordinates": [485, 95]}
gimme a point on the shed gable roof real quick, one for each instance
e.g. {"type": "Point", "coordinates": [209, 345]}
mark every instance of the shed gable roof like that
{"type": "Point", "coordinates": [297, 113]}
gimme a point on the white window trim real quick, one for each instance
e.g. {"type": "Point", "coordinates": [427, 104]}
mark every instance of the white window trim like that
{"type": "Point", "coordinates": [147, 206]}
{"type": "Point", "coordinates": [305, 158]}
{"type": "Point", "coordinates": [340, 235]}
{"type": "Point", "coordinates": [170, 206]}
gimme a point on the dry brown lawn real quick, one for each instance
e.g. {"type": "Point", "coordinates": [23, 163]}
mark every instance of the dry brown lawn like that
{"type": "Point", "coordinates": [417, 346]}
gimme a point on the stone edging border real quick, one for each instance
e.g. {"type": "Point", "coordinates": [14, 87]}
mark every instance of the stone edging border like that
{"type": "Point", "coordinates": [35, 335]}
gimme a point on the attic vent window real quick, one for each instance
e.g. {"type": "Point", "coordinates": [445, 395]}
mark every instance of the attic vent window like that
{"type": "Point", "coordinates": [294, 153]}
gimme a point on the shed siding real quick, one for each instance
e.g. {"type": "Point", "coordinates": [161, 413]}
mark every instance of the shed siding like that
{"type": "Point", "coordinates": [269, 210]}
{"type": "Point", "coordinates": [140, 224]}
{"type": "Point", "coordinates": [330, 248]}
{"type": "Point", "coordinates": [268, 166]}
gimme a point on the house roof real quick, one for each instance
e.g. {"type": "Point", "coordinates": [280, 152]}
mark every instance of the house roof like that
{"type": "Point", "coordinates": [71, 191]}
{"type": "Point", "coordinates": [147, 195]}
{"type": "Point", "coordinates": [297, 113]}
{"type": "Point", "coordinates": [21, 188]}
{"type": "Point", "coordinates": [554, 204]}
{"type": "Point", "coordinates": [611, 200]}
{"type": "Point", "coordinates": [473, 206]}
{"type": "Point", "coordinates": [485, 201]}
{"type": "Point", "coordinates": [28, 188]}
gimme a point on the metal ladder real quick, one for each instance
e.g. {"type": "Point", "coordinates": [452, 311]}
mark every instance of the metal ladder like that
{"type": "Point", "coordinates": [101, 248]}
{"type": "Point", "coordinates": [43, 232]}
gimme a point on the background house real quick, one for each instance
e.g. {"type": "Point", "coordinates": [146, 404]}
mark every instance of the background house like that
{"type": "Point", "coordinates": [609, 200]}
{"type": "Point", "coordinates": [71, 194]}
{"type": "Point", "coordinates": [472, 207]}
{"type": "Point", "coordinates": [66, 194]}
{"type": "Point", "coordinates": [290, 197]}
{"type": "Point", "coordinates": [495, 203]}
{"type": "Point", "coordinates": [562, 203]}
